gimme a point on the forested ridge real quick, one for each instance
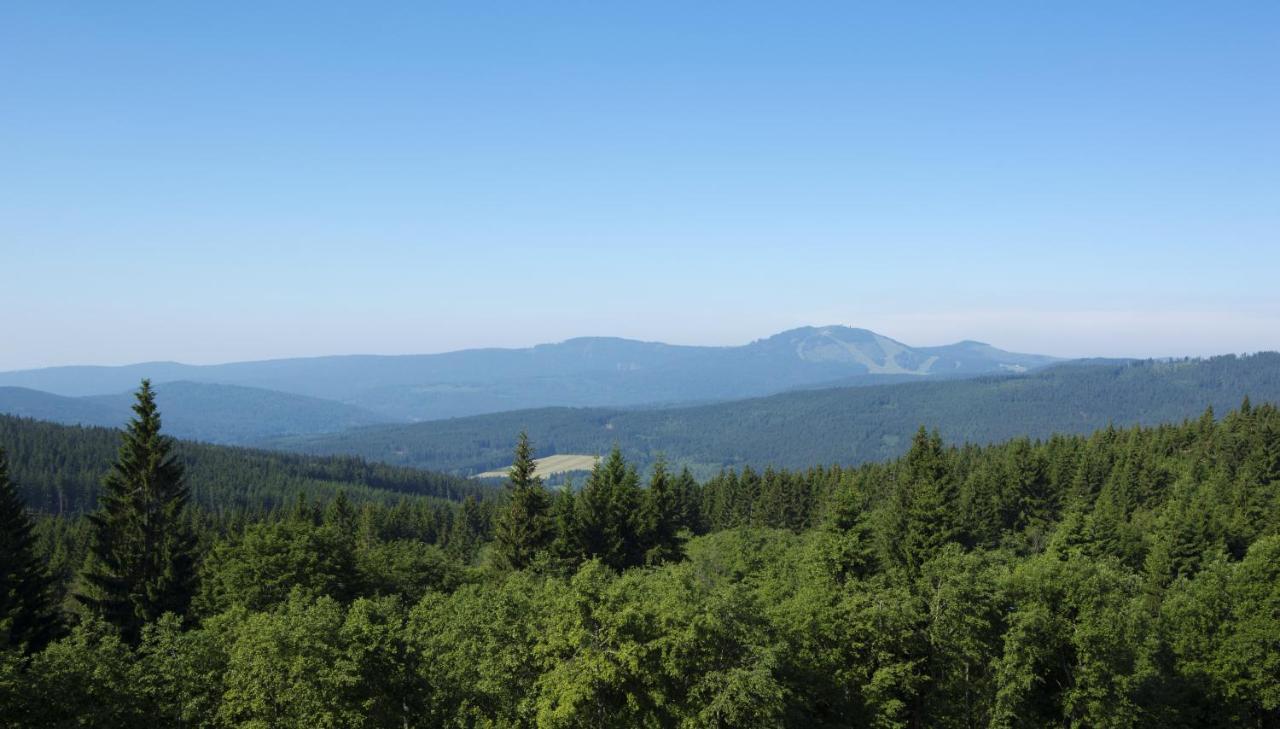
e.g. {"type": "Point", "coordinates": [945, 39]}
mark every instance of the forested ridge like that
{"type": "Point", "coordinates": [58, 469]}
{"type": "Point", "coordinates": [1126, 578]}
{"type": "Point", "coordinates": [844, 425]}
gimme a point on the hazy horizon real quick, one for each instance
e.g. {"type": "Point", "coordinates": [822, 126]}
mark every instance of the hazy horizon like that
{"type": "Point", "coordinates": [911, 343]}
{"type": "Point", "coordinates": [214, 184]}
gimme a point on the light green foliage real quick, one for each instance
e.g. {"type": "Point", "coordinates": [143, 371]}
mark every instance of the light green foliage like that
{"type": "Point", "coordinates": [270, 560]}
{"type": "Point", "coordinates": [1073, 646]}
{"type": "Point", "coordinates": [1249, 654]}
{"type": "Point", "coordinates": [180, 672]}
{"type": "Point", "coordinates": [310, 663]}
{"type": "Point", "coordinates": [964, 599]}
{"type": "Point", "coordinates": [476, 650]}
{"type": "Point", "coordinates": [598, 655]}
{"type": "Point", "coordinates": [85, 679]}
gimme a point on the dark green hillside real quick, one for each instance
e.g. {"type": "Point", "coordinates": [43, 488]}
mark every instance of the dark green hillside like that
{"type": "Point", "coordinates": [58, 469]}
{"type": "Point", "coordinates": [198, 411]}
{"type": "Point", "coordinates": [848, 425]}
{"type": "Point", "coordinates": [239, 415]}
{"type": "Point", "coordinates": [22, 402]}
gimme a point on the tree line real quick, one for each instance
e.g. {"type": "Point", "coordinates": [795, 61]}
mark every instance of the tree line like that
{"type": "Point", "coordinates": [1126, 578]}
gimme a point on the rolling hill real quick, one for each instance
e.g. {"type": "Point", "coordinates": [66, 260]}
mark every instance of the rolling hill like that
{"type": "Point", "coordinates": [227, 414]}
{"type": "Point", "coordinates": [844, 425]}
{"type": "Point", "coordinates": [58, 469]}
{"type": "Point", "coordinates": [592, 371]}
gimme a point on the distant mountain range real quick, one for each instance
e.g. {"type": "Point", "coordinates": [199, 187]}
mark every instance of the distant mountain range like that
{"type": "Point", "coordinates": [841, 425]}
{"type": "Point", "coordinates": [606, 372]}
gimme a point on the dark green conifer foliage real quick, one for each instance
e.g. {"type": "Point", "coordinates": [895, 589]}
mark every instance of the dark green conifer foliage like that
{"type": "Point", "coordinates": [468, 530]}
{"type": "Point", "coordinates": [923, 516]}
{"type": "Point", "coordinates": [341, 514]}
{"type": "Point", "coordinates": [660, 518]}
{"type": "Point", "coordinates": [745, 496]}
{"type": "Point", "coordinates": [141, 562]}
{"type": "Point", "coordinates": [1186, 535]}
{"type": "Point", "coordinates": [980, 506]}
{"type": "Point", "coordinates": [27, 615]}
{"type": "Point", "coordinates": [1028, 503]}
{"type": "Point", "coordinates": [566, 545]}
{"type": "Point", "coordinates": [524, 528]}
{"type": "Point", "coordinates": [850, 549]}
{"type": "Point", "coordinates": [688, 511]}
{"type": "Point", "coordinates": [607, 514]}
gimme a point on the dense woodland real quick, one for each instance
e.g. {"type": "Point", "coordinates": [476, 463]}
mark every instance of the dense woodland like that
{"type": "Point", "coordinates": [1130, 577]}
{"type": "Point", "coordinates": [59, 468]}
{"type": "Point", "coordinates": [849, 425]}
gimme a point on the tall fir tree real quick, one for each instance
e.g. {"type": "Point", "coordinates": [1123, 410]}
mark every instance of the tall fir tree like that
{"type": "Point", "coordinates": [922, 516]}
{"type": "Point", "coordinates": [141, 562]}
{"type": "Point", "coordinates": [607, 514]}
{"type": "Point", "coordinates": [660, 518]}
{"type": "Point", "coordinates": [848, 548]}
{"type": "Point", "coordinates": [1027, 501]}
{"type": "Point", "coordinates": [524, 529]}
{"type": "Point", "coordinates": [28, 618]}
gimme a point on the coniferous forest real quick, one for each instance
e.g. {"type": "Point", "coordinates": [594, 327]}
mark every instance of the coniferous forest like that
{"type": "Point", "coordinates": [1126, 578]}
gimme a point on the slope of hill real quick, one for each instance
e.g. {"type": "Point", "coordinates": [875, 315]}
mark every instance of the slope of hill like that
{"type": "Point", "coordinates": [228, 414]}
{"type": "Point", "coordinates": [22, 402]}
{"type": "Point", "coordinates": [847, 425]}
{"type": "Point", "coordinates": [593, 371]}
{"type": "Point", "coordinates": [58, 469]}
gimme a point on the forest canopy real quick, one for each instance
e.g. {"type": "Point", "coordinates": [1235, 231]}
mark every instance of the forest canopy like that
{"type": "Point", "coordinates": [1130, 577]}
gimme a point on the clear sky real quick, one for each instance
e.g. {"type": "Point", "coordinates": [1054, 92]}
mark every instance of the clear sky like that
{"type": "Point", "coordinates": [210, 182]}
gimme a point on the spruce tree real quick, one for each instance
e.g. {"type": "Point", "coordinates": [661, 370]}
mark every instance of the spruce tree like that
{"type": "Point", "coordinates": [607, 514]}
{"type": "Point", "coordinates": [467, 532]}
{"type": "Point", "coordinates": [922, 516]}
{"type": "Point", "coordinates": [141, 561]}
{"type": "Point", "coordinates": [1028, 502]}
{"type": "Point", "coordinates": [27, 616]}
{"type": "Point", "coordinates": [660, 518]}
{"type": "Point", "coordinates": [566, 546]}
{"type": "Point", "coordinates": [688, 502]}
{"type": "Point", "coordinates": [524, 529]}
{"type": "Point", "coordinates": [848, 548]}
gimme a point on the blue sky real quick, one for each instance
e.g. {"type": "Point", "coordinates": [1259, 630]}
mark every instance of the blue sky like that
{"type": "Point", "coordinates": [210, 182]}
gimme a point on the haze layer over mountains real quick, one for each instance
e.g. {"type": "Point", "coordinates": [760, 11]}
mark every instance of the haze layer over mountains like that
{"type": "Point", "coordinates": [590, 371]}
